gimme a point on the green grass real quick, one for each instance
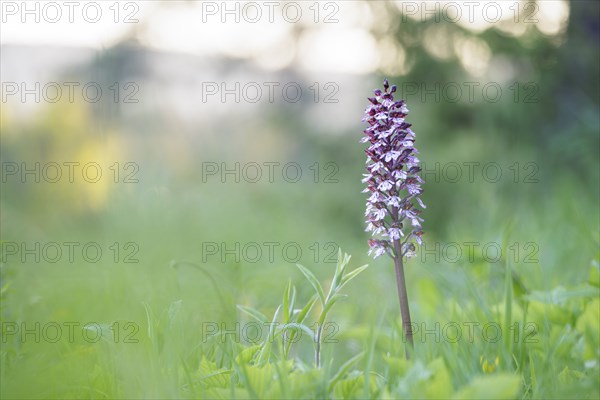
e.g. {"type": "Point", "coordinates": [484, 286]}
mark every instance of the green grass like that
{"type": "Point", "coordinates": [165, 308]}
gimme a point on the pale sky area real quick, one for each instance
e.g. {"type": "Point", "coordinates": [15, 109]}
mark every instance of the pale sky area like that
{"type": "Point", "coordinates": [334, 36]}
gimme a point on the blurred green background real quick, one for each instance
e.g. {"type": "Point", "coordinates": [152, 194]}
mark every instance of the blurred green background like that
{"type": "Point", "coordinates": [162, 208]}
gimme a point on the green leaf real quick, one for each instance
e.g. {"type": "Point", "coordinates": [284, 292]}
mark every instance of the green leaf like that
{"type": "Point", "coordinates": [498, 387]}
{"type": "Point", "coordinates": [344, 262]}
{"type": "Point", "coordinates": [313, 281]}
{"type": "Point", "coordinates": [259, 379]}
{"type": "Point", "coordinates": [174, 310]}
{"type": "Point", "coordinates": [349, 388]}
{"type": "Point", "coordinates": [440, 383]}
{"type": "Point", "coordinates": [559, 295]}
{"type": "Point", "coordinates": [532, 373]}
{"type": "Point", "coordinates": [252, 312]}
{"type": "Point", "coordinates": [217, 379]}
{"type": "Point", "coordinates": [4, 288]}
{"type": "Point", "coordinates": [304, 312]}
{"type": "Point", "coordinates": [273, 322]}
{"type": "Point", "coordinates": [328, 306]}
{"type": "Point", "coordinates": [569, 376]}
{"type": "Point", "coordinates": [151, 320]}
{"type": "Point", "coordinates": [344, 369]}
{"type": "Point", "coordinates": [339, 261]}
{"type": "Point", "coordinates": [103, 330]}
{"type": "Point", "coordinates": [540, 312]}
{"type": "Point", "coordinates": [211, 376]}
{"type": "Point", "coordinates": [245, 356]}
{"type": "Point", "coordinates": [289, 298]}
{"type": "Point", "coordinates": [588, 324]}
{"type": "Point", "coordinates": [351, 275]}
{"type": "Point", "coordinates": [301, 327]}
{"type": "Point", "coordinates": [265, 352]}
{"type": "Point", "coordinates": [300, 318]}
{"type": "Point", "coordinates": [339, 271]}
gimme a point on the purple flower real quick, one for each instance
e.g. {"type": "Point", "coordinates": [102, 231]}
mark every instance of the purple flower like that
{"type": "Point", "coordinates": [392, 176]}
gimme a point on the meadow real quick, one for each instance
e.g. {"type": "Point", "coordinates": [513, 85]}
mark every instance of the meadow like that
{"type": "Point", "coordinates": [195, 293]}
{"type": "Point", "coordinates": [178, 247]}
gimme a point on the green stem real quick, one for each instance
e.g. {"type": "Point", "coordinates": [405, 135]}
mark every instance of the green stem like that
{"type": "Point", "coordinates": [318, 347]}
{"type": "Point", "coordinates": [403, 297]}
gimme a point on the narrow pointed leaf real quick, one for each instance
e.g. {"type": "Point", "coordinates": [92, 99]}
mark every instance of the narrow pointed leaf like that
{"type": "Point", "coordinates": [174, 310]}
{"type": "Point", "coordinates": [351, 275]}
{"type": "Point", "coordinates": [304, 312]}
{"type": "Point", "coordinates": [328, 306]}
{"type": "Point", "coordinates": [313, 281]}
{"type": "Point", "coordinates": [344, 369]}
{"type": "Point", "coordinates": [252, 312]}
{"type": "Point", "coordinates": [286, 302]}
{"type": "Point", "coordinates": [301, 327]}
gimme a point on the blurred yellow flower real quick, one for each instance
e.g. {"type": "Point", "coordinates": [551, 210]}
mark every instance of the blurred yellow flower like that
{"type": "Point", "coordinates": [487, 366]}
